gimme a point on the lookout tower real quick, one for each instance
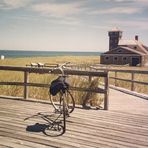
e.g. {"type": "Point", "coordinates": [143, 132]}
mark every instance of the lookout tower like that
{"type": "Point", "coordinates": [114, 37]}
{"type": "Point", "coordinates": [124, 52]}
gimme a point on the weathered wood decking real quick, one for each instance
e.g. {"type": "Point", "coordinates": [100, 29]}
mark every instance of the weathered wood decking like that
{"type": "Point", "coordinates": [124, 125]}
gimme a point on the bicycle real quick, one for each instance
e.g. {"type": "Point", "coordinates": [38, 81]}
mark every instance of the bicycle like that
{"type": "Point", "coordinates": [60, 96]}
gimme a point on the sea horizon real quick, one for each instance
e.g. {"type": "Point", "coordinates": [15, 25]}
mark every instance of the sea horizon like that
{"type": "Point", "coordinates": [45, 53]}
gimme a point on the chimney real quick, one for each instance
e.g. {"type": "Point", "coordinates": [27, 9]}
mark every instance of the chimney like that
{"type": "Point", "coordinates": [136, 37]}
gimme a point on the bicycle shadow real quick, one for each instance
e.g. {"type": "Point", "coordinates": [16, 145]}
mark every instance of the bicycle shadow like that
{"type": "Point", "coordinates": [53, 127]}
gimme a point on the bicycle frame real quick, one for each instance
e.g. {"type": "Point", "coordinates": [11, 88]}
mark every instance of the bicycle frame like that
{"type": "Point", "coordinates": [63, 106]}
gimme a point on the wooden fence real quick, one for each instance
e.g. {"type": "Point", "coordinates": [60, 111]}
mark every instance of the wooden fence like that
{"type": "Point", "coordinates": [43, 70]}
{"type": "Point", "coordinates": [116, 76]}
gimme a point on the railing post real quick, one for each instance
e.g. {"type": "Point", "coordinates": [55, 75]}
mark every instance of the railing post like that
{"type": "Point", "coordinates": [106, 100]}
{"type": "Point", "coordinates": [115, 78]}
{"type": "Point", "coordinates": [132, 78]}
{"type": "Point", "coordinates": [26, 80]}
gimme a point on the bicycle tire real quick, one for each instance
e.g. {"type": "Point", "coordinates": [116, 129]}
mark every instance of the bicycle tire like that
{"type": "Point", "coordinates": [54, 130]}
{"type": "Point", "coordinates": [69, 101]}
{"type": "Point", "coordinates": [64, 115]}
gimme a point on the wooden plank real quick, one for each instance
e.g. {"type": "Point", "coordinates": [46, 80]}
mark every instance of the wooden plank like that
{"type": "Point", "coordinates": [127, 80]}
{"type": "Point", "coordinates": [132, 79]}
{"type": "Point", "coordinates": [47, 71]}
{"type": "Point", "coordinates": [96, 90]}
{"type": "Point", "coordinates": [15, 143]}
{"type": "Point", "coordinates": [26, 89]}
{"type": "Point", "coordinates": [115, 78]}
{"type": "Point", "coordinates": [85, 128]}
{"type": "Point", "coordinates": [9, 142]}
{"type": "Point", "coordinates": [122, 70]}
{"type": "Point", "coordinates": [106, 95]}
{"type": "Point", "coordinates": [80, 128]}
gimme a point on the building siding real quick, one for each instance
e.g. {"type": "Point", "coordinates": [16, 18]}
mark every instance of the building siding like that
{"type": "Point", "coordinates": [133, 55]}
{"type": "Point", "coordinates": [119, 59]}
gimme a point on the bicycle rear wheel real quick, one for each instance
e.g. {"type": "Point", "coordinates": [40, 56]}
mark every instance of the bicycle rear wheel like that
{"type": "Point", "coordinates": [56, 101]}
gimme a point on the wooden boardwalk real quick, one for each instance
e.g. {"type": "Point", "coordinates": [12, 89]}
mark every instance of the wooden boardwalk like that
{"type": "Point", "coordinates": [124, 125]}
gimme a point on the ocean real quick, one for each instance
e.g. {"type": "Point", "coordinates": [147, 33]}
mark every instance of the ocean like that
{"type": "Point", "coordinates": [22, 53]}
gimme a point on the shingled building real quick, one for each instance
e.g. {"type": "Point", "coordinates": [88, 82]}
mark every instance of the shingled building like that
{"type": "Point", "coordinates": [124, 52]}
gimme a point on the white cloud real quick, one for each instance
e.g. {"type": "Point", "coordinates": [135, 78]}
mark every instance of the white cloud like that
{"type": "Point", "coordinates": [140, 24]}
{"type": "Point", "coordinates": [118, 10]}
{"type": "Point", "coordinates": [69, 21]}
{"type": "Point", "coordinates": [60, 13]}
{"type": "Point", "coordinates": [13, 4]}
{"type": "Point", "coordinates": [57, 9]}
{"type": "Point", "coordinates": [134, 1]}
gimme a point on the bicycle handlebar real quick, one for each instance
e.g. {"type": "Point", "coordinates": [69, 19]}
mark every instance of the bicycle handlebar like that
{"type": "Point", "coordinates": [60, 67]}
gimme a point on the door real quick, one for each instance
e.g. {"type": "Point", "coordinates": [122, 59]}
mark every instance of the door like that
{"type": "Point", "coordinates": [135, 61]}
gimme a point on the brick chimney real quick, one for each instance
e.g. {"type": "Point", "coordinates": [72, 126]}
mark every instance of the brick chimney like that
{"type": "Point", "coordinates": [136, 37]}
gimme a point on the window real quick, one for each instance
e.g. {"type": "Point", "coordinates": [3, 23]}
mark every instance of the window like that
{"type": "Point", "coordinates": [119, 50]}
{"type": "Point", "coordinates": [135, 47]}
{"type": "Point", "coordinates": [115, 58]}
{"type": "Point", "coordinates": [106, 58]}
{"type": "Point", "coordinates": [124, 58]}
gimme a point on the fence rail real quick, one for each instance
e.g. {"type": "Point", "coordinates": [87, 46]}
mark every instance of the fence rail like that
{"type": "Point", "coordinates": [42, 70]}
{"type": "Point", "coordinates": [131, 80]}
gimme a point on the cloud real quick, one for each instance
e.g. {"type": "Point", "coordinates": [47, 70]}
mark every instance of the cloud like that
{"type": "Point", "coordinates": [141, 3]}
{"type": "Point", "coordinates": [140, 24]}
{"type": "Point", "coordinates": [57, 9]}
{"type": "Point", "coordinates": [125, 6]}
{"type": "Point", "coordinates": [118, 10]}
{"type": "Point", "coordinates": [63, 13]}
{"type": "Point", "coordinates": [13, 4]}
{"type": "Point", "coordinates": [129, 1]}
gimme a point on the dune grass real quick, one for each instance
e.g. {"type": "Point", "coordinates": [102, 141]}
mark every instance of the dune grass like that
{"type": "Point", "coordinates": [58, 59]}
{"type": "Point", "coordinates": [128, 76]}
{"type": "Point", "coordinates": [42, 93]}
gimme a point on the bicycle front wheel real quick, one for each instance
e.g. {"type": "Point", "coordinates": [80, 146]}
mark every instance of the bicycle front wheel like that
{"type": "Point", "coordinates": [56, 101]}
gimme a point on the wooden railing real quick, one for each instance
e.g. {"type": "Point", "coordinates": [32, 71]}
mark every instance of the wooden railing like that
{"type": "Point", "coordinates": [116, 76]}
{"type": "Point", "coordinates": [43, 70]}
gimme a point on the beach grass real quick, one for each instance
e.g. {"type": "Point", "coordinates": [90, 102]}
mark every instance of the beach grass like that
{"type": "Point", "coordinates": [140, 88]}
{"type": "Point", "coordinates": [42, 93]}
{"type": "Point", "coordinates": [56, 59]}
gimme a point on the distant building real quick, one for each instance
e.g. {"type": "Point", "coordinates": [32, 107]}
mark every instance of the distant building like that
{"type": "Point", "coordinates": [124, 52]}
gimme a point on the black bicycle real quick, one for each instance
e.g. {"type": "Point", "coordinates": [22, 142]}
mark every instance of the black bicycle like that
{"type": "Point", "coordinates": [60, 96]}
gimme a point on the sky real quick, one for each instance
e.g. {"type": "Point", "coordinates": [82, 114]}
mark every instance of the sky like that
{"type": "Point", "coordinates": [70, 25]}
